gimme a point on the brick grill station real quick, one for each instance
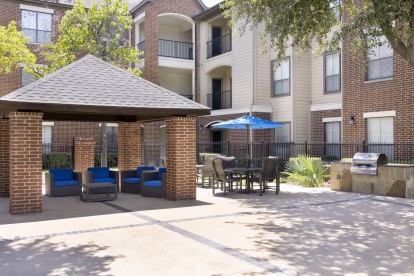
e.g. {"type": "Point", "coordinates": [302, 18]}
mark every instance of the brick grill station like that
{"type": "Point", "coordinates": [91, 90]}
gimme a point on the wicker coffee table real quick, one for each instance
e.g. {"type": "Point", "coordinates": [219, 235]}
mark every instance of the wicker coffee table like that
{"type": "Point", "coordinates": [87, 188]}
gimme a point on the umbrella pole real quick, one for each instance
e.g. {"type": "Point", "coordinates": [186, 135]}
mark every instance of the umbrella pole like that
{"type": "Point", "coordinates": [248, 147]}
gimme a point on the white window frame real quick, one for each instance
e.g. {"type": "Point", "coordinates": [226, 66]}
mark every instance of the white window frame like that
{"type": "Point", "coordinates": [374, 57]}
{"type": "Point", "coordinates": [37, 10]}
{"type": "Point", "coordinates": [275, 79]}
{"type": "Point", "coordinates": [326, 76]}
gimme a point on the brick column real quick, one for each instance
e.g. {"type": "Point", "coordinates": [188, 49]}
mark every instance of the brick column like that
{"type": "Point", "coordinates": [181, 158]}
{"type": "Point", "coordinates": [84, 153]}
{"type": "Point", "coordinates": [4, 158]}
{"type": "Point", "coordinates": [25, 162]}
{"type": "Point", "coordinates": [129, 145]}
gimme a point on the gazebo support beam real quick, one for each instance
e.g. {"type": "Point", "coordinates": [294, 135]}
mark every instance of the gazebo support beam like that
{"type": "Point", "coordinates": [129, 145]}
{"type": "Point", "coordinates": [25, 162]}
{"type": "Point", "coordinates": [181, 158]}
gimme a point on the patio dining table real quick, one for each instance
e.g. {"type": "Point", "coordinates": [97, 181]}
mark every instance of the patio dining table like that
{"type": "Point", "coordinates": [244, 171]}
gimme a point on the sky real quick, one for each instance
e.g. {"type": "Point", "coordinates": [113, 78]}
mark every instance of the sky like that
{"type": "Point", "coordinates": [210, 3]}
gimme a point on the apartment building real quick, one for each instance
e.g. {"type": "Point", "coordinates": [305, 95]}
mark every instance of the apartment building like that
{"type": "Point", "coordinates": [303, 93]}
{"type": "Point", "coordinates": [191, 50]}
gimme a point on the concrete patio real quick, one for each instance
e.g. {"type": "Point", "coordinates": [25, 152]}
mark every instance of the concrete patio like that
{"type": "Point", "coordinates": [300, 231]}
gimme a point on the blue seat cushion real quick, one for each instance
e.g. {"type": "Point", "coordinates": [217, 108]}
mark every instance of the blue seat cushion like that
{"type": "Point", "coordinates": [101, 172]}
{"type": "Point", "coordinates": [140, 169]}
{"type": "Point", "coordinates": [152, 183]}
{"type": "Point", "coordinates": [106, 179]}
{"type": "Point", "coordinates": [62, 174]}
{"type": "Point", "coordinates": [161, 171]}
{"type": "Point", "coordinates": [64, 183]}
{"type": "Point", "coordinates": [132, 180]}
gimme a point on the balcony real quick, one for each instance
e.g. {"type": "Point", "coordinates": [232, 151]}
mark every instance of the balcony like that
{"type": "Point", "coordinates": [190, 97]}
{"type": "Point", "coordinates": [219, 46]}
{"type": "Point", "coordinates": [219, 100]}
{"type": "Point", "coordinates": [175, 49]}
{"type": "Point", "coordinates": [141, 47]}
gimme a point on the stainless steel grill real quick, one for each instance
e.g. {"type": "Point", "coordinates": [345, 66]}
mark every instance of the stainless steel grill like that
{"type": "Point", "coordinates": [367, 163]}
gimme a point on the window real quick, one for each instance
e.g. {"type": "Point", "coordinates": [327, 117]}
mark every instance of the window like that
{"type": "Point", "coordinates": [380, 61]}
{"type": "Point", "coordinates": [333, 139]}
{"type": "Point", "coordinates": [37, 26]}
{"type": "Point", "coordinates": [282, 134]}
{"type": "Point", "coordinates": [336, 8]}
{"type": "Point", "coordinates": [281, 78]}
{"type": "Point", "coordinates": [332, 72]}
{"type": "Point", "coordinates": [27, 78]}
{"type": "Point", "coordinates": [380, 135]}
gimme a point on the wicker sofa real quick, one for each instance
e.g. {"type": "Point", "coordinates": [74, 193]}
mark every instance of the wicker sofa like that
{"type": "Point", "coordinates": [62, 182]}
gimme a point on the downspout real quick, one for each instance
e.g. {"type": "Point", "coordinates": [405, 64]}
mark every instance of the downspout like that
{"type": "Point", "coordinates": [253, 87]}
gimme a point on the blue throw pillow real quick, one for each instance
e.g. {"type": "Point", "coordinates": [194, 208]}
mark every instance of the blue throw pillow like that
{"type": "Point", "coordinates": [161, 171]}
{"type": "Point", "coordinates": [140, 169]}
{"type": "Point", "coordinates": [101, 172]}
{"type": "Point", "coordinates": [62, 174]}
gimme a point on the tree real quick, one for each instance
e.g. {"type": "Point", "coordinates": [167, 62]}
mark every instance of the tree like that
{"type": "Point", "coordinates": [13, 49]}
{"type": "Point", "coordinates": [300, 22]}
{"type": "Point", "coordinates": [99, 31]}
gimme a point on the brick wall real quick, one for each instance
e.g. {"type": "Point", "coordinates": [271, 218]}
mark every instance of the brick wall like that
{"type": "Point", "coordinates": [317, 125]}
{"type": "Point", "coordinates": [64, 132]}
{"type": "Point", "coordinates": [152, 10]}
{"type": "Point", "coordinates": [181, 158]}
{"type": "Point", "coordinates": [84, 153]}
{"type": "Point", "coordinates": [129, 145]}
{"type": "Point", "coordinates": [10, 11]}
{"type": "Point", "coordinates": [4, 158]}
{"type": "Point", "coordinates": [25, 162]}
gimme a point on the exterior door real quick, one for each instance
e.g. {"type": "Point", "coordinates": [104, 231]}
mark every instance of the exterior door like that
{"type": "Point", "coordinates": [217, 89]}
{"type": "Point", "coordinates": [217, 139]}
{"type": "Point", "coordinates": [216, 41]}
{"type": "Point", "coordinates": [333, 139]}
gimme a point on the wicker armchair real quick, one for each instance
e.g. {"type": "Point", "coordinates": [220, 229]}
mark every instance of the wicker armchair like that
{"type": "Point", "coordinates": [131, 179]}
{"type": "Point", "coordinates": [154, 183]}
{"type": "Point", "coordinates": [64, 182]}
{"type": "Point", "coordinates": [99, 175]}
{"type": "Point", "coordinates": [224, 178]}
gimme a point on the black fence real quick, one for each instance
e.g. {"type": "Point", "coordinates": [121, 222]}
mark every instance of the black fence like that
{"type": "Point", "coordinates": [112, 155]}
{"type": "Point", "coordinates": [56, 156]}
{"type": "Point", "coordinates": [61, 156]}
{"type": "Point", "coordinates": [396, 153]}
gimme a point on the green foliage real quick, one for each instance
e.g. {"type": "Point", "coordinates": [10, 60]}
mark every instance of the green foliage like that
{"type": "Point", "coordinates": [56, 160]}
{"type": "Point", "coordinates": [101, 28]}
{"type": "Point", "coordinates": [299, 23]}
{"type": "Point", "coordinates": [13, 49]}
{"type": "Point", "coordinates": [307, 171]}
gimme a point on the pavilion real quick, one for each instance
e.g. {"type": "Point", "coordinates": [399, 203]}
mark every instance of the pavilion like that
{"type": "Point", "coordinates": [94, 91]}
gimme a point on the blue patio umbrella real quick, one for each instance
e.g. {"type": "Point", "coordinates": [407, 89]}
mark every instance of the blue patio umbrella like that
{"type": "Point", "coordinates": [247, 122]}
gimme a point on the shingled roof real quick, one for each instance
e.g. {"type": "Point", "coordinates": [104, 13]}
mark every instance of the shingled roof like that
{"type": "Point", "coordinates": [101, 91]}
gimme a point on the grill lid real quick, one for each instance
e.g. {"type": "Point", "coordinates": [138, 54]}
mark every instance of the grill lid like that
{"type": "Point", "coordinates": [370, 158]}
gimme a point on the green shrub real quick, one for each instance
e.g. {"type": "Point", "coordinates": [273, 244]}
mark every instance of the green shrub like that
{"type": "Point", "coordinates": [307, 171]}
{"type": "Point", "coordinates": [112, 160]}
{"type": "Point", "coordinates": [56, 160]}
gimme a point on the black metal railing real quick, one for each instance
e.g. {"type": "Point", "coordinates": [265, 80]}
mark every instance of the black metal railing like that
{"type": "Point", "coordinates": [57, 156]}
{"type": "Point", "coordinates": [175, 49]}
{"type": "Point", "coordinates": [396, 153]}
{"type": "Point", "coordinates": [112, 155]}
{"type": "Point", "coordinates": [187, 96]}
{"type": "Point", "coordinates": [141, 47]}
{"type": "Point", "coordinates": [219, 100]}
{"type": "Point", "coordinates": [219, 46]}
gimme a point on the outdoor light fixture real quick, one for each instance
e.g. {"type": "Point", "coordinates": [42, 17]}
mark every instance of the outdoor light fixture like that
{"type": "Point", "coordinates": [351, 120]}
